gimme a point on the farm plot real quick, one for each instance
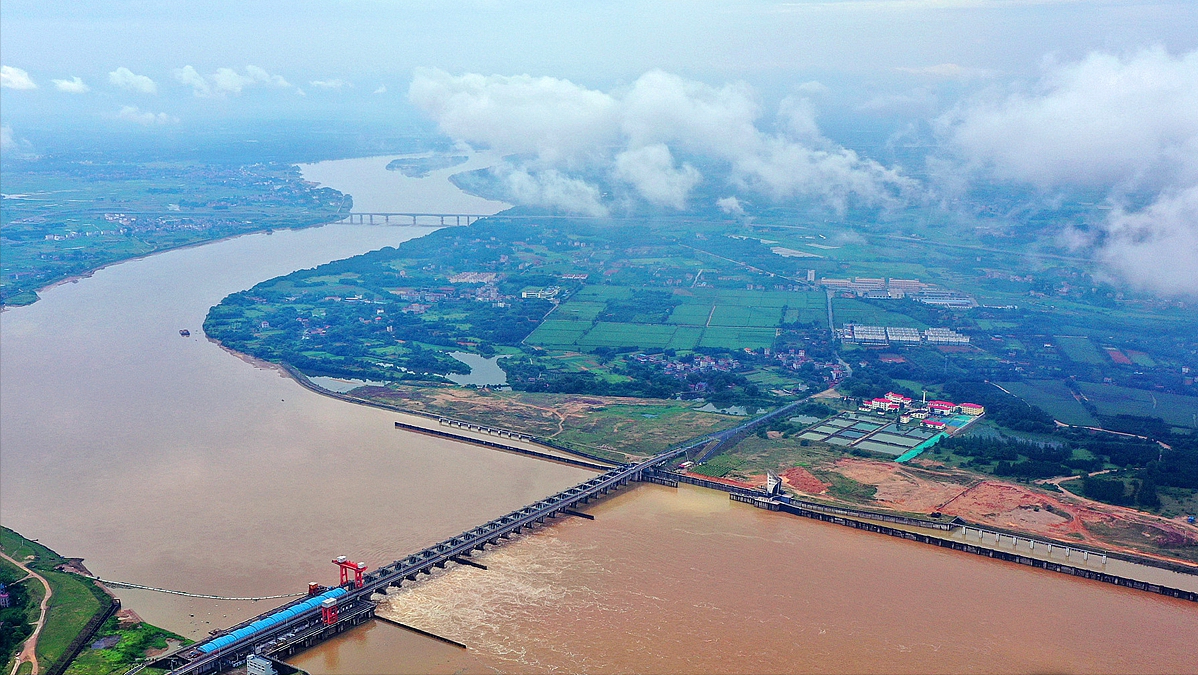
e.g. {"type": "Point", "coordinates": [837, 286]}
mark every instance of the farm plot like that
{"type": "Point", "coordinates": [642, 336]}
{"type": "Point", "coordinates": [1114, 400]}
{"type": "Point", "coordinates": [1055, 398]}
{"type": "Point", "coordinates": [1079, 348]}
{"type": "Point", "coordinates": [558, 334]}
{"type": "Point", "coordinates": [847, 310]}
{"type": "Point", "coordinates": [578, 311]}
{"type": "Point", "coordinates": [692, 315]}
{"type": "Point", "coordinates": [756, 317]}
{"type": "Point", "coordinates": [601, 293]}
{"type": "Point", "coordinates": [729, 337]}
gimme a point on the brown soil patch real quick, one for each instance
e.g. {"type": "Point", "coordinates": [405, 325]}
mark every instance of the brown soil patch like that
{"type": "Point", "coordinates": [897, 487]}
{"type": "Point", "coordinates": [804, 481]}
{"type": "Point", "coordinates": [127, 618]}
{"type": "Point", "coordinates": [1016, 507]}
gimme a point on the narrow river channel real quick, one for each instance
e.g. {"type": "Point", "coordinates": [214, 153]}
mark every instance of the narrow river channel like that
{"type": "Point", "coordinates": [169, 462]}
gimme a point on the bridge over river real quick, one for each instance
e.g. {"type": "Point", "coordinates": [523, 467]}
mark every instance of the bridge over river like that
{"type": "Point", "coordinates": [327, 612]}
{"type": "Point", "coordinates": [298, 625]}
{"type": "Point", "coordinates": [410, 218]}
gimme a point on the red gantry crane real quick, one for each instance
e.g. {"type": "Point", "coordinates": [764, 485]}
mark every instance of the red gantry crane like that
{"type": "Point", "coordinates": [348, 566]}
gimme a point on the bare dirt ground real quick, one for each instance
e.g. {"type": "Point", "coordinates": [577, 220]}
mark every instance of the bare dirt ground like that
{"type": "Point", "coordinates": [898, 487]}
{"type": "Point", "coordinates": [1023, 508]}
{"type": "Point", "coordinates": [804, 481]}
{"type": "Point", "coordinates": [127, 618]}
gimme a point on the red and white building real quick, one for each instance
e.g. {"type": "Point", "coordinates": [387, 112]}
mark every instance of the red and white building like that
{"type": "Point", "coordinates": [942, 407]}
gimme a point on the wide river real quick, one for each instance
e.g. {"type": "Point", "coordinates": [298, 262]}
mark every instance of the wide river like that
{"type": "Point", "coordinates": [169, 462]}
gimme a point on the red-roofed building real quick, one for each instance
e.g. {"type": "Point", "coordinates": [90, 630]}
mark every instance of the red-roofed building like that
{"type": "Point", "coordinates": [883, 404]}
{"type": "Point", "coordinates": [933, 424]}
{"type": "Point", "coordinates": [972, 409]}
{"type": "Point", "coordinates": [942, 407]}
{"type": "Point", "coordinates": [898, 398]}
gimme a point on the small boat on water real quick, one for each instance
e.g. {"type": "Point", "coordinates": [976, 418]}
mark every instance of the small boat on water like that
{"type": "Point", "coordinates": [185, 333]}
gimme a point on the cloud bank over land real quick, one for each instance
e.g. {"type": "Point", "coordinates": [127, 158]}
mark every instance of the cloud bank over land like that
{"type": "Point", "coordinates": [1127, 125]}
{"type": "Point", "coordinates": [634, 135]}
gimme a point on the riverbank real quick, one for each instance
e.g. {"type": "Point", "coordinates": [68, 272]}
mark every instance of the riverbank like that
{"type": "Point", "coordinates": [167, 441]}
{"type": "Point", "coordinates": [72, 609]}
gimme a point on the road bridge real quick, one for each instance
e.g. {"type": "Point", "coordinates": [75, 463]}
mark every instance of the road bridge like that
{"type": "Point", "coordinates": [403, 218]}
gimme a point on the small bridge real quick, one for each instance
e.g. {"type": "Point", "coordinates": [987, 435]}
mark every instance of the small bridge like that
{"type": "Point", "coordinates": [410, 219]}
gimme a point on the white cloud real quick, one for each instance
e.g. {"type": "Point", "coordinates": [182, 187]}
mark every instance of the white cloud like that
{"type": "Point", "coordinates": [1099, 121]}
{"type": "Point", "coordinates": [1127, 125]}
{"type": "Point", "coordinates": [6, 139]}
{"type": "Point", "coordinates": [1157, 248]}
{"type": "Point", "coordinates": [129, 81]}
{"type": "Point", "coordinates": [15, 78]}
{"type": "Point", "coordinates": [190, 77]}
{"type": "Point", "coordinates": [555, 190]}
{"type": "Point", "coordinates": [144, 117]}
{"type": "Point", "coordinates": [71, 86]}
{"type": "Point", "coordinates": [633, 134]}
{"type": "Point", "coordinates": [227, 81]}
{"type": "Point", "coordinates": [260, 75]}
{"type": "Point", "coordinates": [381, 90]}
{"type": "Point", "coordinates": [730, 205]}
{"type": "Point", "coordinates": [329, 84]}
{"type": "Point", "coordinates": [555, 119]}
{"type": "Point", "coordinates": [651, 169]}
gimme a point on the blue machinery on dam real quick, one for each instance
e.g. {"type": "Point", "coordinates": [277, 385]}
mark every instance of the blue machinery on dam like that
{"type": "Point", "coordinates": [326, 612]}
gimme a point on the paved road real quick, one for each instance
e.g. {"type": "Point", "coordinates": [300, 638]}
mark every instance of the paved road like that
{"type": "Point", "coordinates": [29, 651]}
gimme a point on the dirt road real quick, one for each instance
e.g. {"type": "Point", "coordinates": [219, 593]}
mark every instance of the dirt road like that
{"type": "Point", "coordinates": [29, 651]}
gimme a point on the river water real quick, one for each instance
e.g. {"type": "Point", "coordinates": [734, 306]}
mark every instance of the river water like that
{"type": "Point", "coordinates": [685, 580]}
{"type": "Point", "coordinates": [169, 462]}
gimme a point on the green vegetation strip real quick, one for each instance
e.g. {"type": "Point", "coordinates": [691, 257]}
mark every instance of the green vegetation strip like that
{"type": "Point", "coordinates": [76, 601]}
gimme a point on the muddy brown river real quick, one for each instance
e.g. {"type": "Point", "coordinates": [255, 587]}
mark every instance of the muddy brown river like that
{"type": "Point", "coordinates": [169, 462]}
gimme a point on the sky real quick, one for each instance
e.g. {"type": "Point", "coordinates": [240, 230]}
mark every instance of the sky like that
{"type": "Point", "coordinates": [1047, 95]}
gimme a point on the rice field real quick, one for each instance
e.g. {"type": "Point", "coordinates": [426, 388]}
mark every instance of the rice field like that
{"type": "Point", "coordinates": [705, 317]}
{"type": "Point", "coordinates": [1054, 398]}
{"type": "Point", "coordinates": [1079, 348]}
{"type": "Point", "coordinates": [846, 310]}
{"type": "Point", "coordinates": [1110, 399]}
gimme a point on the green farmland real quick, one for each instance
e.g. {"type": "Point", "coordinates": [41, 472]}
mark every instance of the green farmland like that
{"type": "Point", "coordinates": [847, 310]}
{"type": "Point", "coordinates": [1055, 398]}
{"type": "Point", "coordinates": [1109, 399]}
{"type": "Point", "coordinates": [703, 318]}
{"type": "Point", "coordinates": [1080, 349]}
